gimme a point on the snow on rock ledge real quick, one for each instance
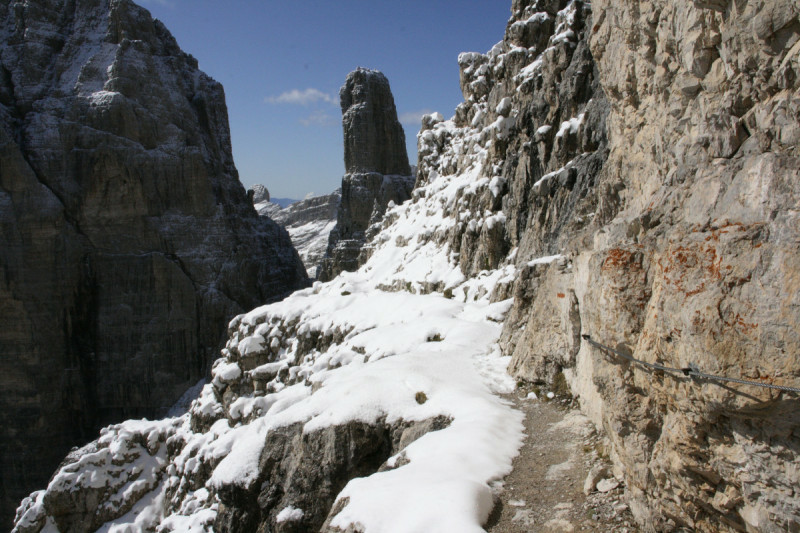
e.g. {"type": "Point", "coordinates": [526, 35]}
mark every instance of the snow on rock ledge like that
{"type": "Point", "coordinates": [357, 384]}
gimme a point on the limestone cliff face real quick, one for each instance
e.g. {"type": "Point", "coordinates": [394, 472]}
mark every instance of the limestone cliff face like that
{"type": "Point", "coordinates": [705, 147]}
{"type": "Point", "coordinates": [376, 167]}
{"type": "Point", "coordinates": [691, 257]}
{"type": "Point", "coordinates": [127, 240]}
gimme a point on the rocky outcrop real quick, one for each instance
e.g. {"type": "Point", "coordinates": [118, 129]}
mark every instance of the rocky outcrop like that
{"type": "Point", "coordinates": [127, 240]}
{"type": "Point", "coordinates": [309, 223]}
{"type": "Point", "coordinates": [260, 194]}
{"type": "Point", "coordinates": [299, 476]}
{"type": "Point", "coordinates": [532, 133]}
{"type": "Point", "coordinates": [376, 166]}
{"type": "Point", "coordinates": [295, 477]}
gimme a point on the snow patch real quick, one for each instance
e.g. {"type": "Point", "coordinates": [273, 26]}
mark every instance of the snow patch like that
{"type": "Point", "coordinates": [289, 514]}
{"type": "Point", "coordinates": [544, 260]}
{"type": "Point", "coordinates": [570, 126]}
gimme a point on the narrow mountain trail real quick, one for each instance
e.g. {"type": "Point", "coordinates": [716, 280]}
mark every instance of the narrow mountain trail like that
{"type": "Point", "coordinates": [545, 491]}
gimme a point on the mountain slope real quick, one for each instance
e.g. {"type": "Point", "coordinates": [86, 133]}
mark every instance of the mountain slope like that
{"type": "Point", "coordinates": [357, 371]}
{"type": "Point", "coordinates": [625, 172]}
{"type": "Point", "coordinates": [307, 386]}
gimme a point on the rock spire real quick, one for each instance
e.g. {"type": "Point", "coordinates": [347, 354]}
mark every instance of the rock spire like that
{"type": "Point", "coordinates": [374, 140]}
{"type": "Point", "coordinates": [376, 166]}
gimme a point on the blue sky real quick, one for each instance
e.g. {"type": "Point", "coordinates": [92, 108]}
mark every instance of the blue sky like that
{"type": "Point", "coordinates": [282, 63]}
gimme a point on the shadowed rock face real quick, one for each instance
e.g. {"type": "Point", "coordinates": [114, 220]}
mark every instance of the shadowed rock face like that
{"type": "Point", "coordinates": [376, 166]}
{"type": "Point", "coordinates": [127, 241]}
{"type": "Point", "coordinates": [308, 470]}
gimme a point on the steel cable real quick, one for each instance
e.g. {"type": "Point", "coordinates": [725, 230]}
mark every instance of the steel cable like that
{"type": "Point", "coordinates": [691, 371]}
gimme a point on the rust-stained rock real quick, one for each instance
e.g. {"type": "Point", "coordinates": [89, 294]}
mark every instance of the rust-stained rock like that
{"type": "Point", "coordinates": [695, 262]}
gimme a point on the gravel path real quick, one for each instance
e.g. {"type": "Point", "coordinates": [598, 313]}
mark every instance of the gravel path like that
{"type": "Point", "coordinates": [545, 490]}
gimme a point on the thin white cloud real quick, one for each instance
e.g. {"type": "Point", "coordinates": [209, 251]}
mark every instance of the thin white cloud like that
{"type": "Point", "coordinates": [413, 118]}
{"type": "Point", "coordinates": [298, 97]}
{"type": "Point", "coordinates": [165, 3]}
{"type": "Point", "coordinates": [319, 118]}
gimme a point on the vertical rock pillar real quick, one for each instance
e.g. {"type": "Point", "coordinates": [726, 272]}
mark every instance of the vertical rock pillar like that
{"type": "Point", "coordinates": [376, 168]}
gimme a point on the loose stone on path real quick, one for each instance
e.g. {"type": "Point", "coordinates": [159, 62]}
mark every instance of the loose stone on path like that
{"type": "Point", "coordinates": [559, 482]}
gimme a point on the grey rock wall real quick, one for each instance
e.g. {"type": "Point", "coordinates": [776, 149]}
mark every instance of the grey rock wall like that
{"type": "Point", "coordinates": [704, 149]}
{"type": "Point", "coordinates": [127, 241]}
{"type": "Point", "coordinates": [690, 257]}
